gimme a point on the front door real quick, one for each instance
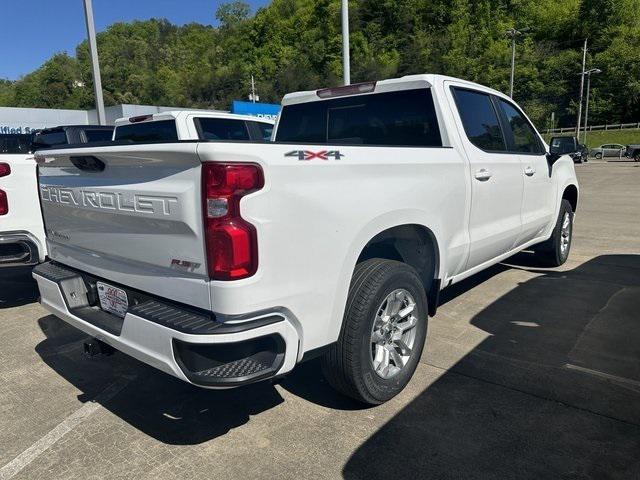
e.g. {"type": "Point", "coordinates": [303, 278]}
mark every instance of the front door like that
{"type": "Point", "coordinates": [496, 177]}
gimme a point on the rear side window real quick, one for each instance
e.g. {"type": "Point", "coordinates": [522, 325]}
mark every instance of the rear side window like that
{"type": "Point", "coordinates": [98, 135]}
{"type": "Point", "coordinates": [403, 118]}
{"type": "Point", "coordinates": [480, 120]}
{"type": "Point", "coordinates": [160, 131]}
{"type": "Point", "coordinates": [525, 139]}
{"type": "Point", "coordinates": [221, 129]}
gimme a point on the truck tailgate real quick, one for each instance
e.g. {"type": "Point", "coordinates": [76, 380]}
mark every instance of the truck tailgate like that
{"type": "Point", "coordinates": [130, 214]}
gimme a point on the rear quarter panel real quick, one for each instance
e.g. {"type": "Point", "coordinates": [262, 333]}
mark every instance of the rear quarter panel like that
{"type": "Point", "coordinates": [314, 217]}
{"type": "Point", "coordinates": [22, 195]}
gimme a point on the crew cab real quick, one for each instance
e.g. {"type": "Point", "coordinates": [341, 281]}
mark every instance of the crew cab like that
{"type": "Point", "coordinates": [182, 125]}
{"type": "Point", "coordinates": [70, 135]}
{"type": "Point", "coordinates": [227, 262]}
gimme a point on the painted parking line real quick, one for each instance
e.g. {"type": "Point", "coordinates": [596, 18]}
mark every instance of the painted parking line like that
{"type": "Point", "coordinates": [607, 376]}
{"type": "Point", "coordinates": [14, 467]}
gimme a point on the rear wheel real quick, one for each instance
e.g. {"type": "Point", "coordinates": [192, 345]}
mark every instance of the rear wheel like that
{"type": "Point", "coordinates": [383, 332]}
{"type": "Point", "coordinates": [555, 251]}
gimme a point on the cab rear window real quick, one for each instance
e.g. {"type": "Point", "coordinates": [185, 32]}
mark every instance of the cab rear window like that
{"type": "Point", "coordinates": [159, 131]}
{"type": "Point", "coordinates": [403, 118]}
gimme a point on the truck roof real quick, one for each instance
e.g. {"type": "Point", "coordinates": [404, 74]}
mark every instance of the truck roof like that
{"type": "Point", "coordinates": [408, 82]}
{"type": "Point", "coordinates": [181, 114]}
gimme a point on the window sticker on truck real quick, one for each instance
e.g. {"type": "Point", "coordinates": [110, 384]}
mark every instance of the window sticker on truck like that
{"type": "Point", "coordinates": [306, 155]}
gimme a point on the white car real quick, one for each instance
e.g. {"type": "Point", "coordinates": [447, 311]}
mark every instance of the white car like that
{"type": "Point", "coordinates": [223, 263]}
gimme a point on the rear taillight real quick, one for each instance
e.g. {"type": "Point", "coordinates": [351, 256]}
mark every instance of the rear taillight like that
{"type": "Point", "coordinates": [4, 205]}
{"type": "Point", "coordinates": [5, 170]}
{"type": "Point", "coordinates": [231, 241]}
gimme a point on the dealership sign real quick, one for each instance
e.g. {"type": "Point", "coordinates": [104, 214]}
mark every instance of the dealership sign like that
{"type": "Point", "coordinates": [255, 109]}
{"type": "Point", "coordinates": [8, 129]}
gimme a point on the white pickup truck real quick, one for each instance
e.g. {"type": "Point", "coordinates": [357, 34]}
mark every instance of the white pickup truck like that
{"type": "Point", "coordinates": [224, 263]}
{"type": "Point", "coordinates": [22, 240]}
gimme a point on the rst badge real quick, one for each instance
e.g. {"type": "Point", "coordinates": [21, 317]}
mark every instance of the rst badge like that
{"type": "Point", "coordinates": [306, 155]}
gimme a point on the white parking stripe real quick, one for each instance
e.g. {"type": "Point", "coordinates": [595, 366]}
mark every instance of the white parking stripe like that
{"type": "Point", "coordinates": [597, 373]}
{"type": "Point", "coordinates": [72, 421]}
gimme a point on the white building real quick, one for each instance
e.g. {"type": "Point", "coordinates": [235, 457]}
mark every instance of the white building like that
{"type": "Point", "coordinates": [24, 120]}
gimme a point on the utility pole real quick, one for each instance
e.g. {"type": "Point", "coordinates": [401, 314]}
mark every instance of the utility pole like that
{"type": "Point", "coordinates": [513, 33]}
{"type": "Point", "coordinates": [95, 64]}
{"type": "Point", "coordinates": [584, 63]}
{"type": "Point", "coordinates": [252, 96]}
{"type": "Point", "coordinates": [586, 108]}
{"type": "Point", "coordinates": [346, 64]}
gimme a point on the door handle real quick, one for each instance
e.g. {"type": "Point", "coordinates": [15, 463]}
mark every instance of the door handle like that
{"type": "Point", "coordinates": [483, 175]}
{"type": "Point", "coordinates": [529, 171]}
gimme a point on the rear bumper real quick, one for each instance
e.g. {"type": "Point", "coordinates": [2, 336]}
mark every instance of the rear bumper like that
{"type": "Point", "coordinates": [189, 344]}
{"type": "Point", "coordinates": [18, 249]}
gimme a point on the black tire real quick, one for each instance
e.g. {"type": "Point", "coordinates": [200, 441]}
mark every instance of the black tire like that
{"type": "Point", "coordinates": [348, 365]}
{"type": "Point", "coordinates": [598, 156]}
{"type": "Point", "coordinates": [551, 253]}
{"type": "Point", "coordinates": [636, 157]}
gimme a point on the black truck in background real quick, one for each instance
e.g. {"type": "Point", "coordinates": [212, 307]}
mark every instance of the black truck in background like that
{"type": "Point", "coordinates": [633, 151]}
{"type": "Point", "coordinates": [22, 143]}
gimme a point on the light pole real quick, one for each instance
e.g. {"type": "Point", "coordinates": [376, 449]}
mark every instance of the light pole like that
{"type": "Point", "coordinates": [586, 107]}
{"type": "Point", "coordinates": [346, 68]}
{"type": "Point", "coordinates": [95, 65]}
{"type": "Point", "coordinates": [584, 62]}
{"type": "Point", "coordinates": [513, 33]}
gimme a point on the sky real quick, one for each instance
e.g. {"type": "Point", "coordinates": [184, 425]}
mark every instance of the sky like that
{"type": "Point", "coordinates": [31, 31]}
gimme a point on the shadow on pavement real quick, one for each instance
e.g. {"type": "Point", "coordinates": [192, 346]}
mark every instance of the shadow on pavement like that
{"type": "Point", "coordinates": [17, 287]}
{"type": "Point", "coordinates": [553, 392]}
{"type": "Point", "coordinates": [157, 404]}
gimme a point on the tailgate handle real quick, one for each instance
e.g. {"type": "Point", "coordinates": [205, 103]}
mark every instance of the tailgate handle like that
{"type": "Point", "coordinates": [88, 163]}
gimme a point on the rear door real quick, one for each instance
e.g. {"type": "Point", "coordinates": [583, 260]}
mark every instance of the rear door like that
{"type": "Point", "coordinates": [538, 200]}
{"type": "Point", "coordinates": [496, 177]}
{"type": "Point", "coordinates": [131, 214]}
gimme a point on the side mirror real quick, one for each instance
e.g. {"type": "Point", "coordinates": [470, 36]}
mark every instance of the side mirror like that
{"type": "Point", "coordinates": [553, 158]}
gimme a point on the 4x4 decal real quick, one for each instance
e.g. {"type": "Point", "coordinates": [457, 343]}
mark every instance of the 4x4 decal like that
{"type": "Point", "coordinates": [306, 155]}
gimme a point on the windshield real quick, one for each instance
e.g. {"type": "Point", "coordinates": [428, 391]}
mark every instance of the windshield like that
{"type": "Point", "coordinates": [50, 138]}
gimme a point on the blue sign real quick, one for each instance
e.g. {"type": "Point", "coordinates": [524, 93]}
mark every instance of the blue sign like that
{"type": "Point", "coordinates": [264, 110]}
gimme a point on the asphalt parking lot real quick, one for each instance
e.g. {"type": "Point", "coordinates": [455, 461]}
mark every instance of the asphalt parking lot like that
{"type": "Point", "coordinates": [527, 373]}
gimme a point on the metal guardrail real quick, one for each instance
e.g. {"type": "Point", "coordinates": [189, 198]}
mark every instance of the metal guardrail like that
{"type": "Point", "coordinates": [591, 128]}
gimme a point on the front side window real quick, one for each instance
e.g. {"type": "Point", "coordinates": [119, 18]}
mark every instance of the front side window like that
{"type": "Point", "coordinates": [222, 129]}
{"type": "Point", "coordinates": [155, 131]}
{"type": "Point", "coordinates": [480, 120]}
{"type": "Point", "coordinates": [402, 118]}
{"type": "Point", "coordinates": [525, 139]}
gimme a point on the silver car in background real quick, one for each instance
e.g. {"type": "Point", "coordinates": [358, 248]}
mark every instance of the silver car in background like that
{"type": "Point", "coordinates": [608, 150]}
